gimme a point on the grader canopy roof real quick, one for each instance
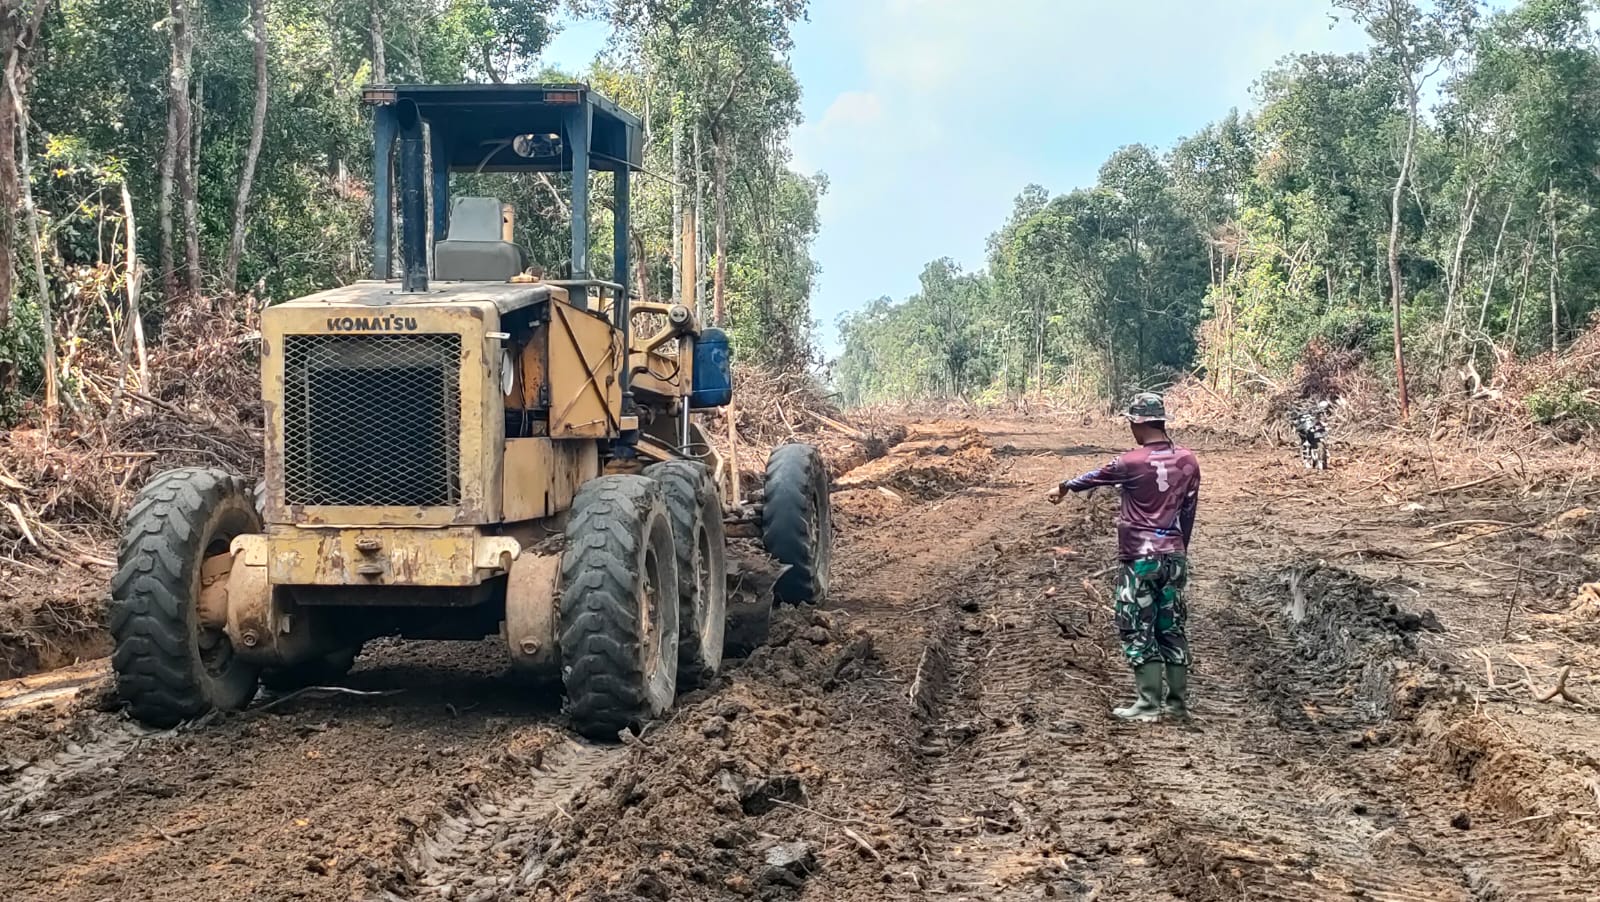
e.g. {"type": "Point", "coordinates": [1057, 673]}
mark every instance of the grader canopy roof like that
{"type": "Point", "coordinates": [476, 128]}
{"type": "Point", "coordinates": [494, 128]}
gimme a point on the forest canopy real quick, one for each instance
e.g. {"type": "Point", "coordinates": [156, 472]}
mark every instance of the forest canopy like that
{"type": "Point", "coordinates": [1440, 186]}
{"type": "Point", "coordinates": [181, 153]}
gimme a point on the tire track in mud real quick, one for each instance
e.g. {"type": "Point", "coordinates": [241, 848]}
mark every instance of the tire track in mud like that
{"type": "Point", "coordinates": [101, 744]}
{"type": "Point", "coordinates": [309, 800]}
{"type": "Point", "coordinates": [483, 845]}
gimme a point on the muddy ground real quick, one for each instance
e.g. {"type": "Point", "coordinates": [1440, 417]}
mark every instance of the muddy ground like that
{"type": "Point", "coordinates": [1372, 644]}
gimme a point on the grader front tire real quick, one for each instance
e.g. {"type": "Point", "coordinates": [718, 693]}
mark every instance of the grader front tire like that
{"type": "Point", "coordinates": [170, 667]}
{"type": "Point", "coordinates": [797, 522]}
{"type": "Point", "coordinates": [695, 509]}
{"type": "Point", "coordinates": [619, 607]}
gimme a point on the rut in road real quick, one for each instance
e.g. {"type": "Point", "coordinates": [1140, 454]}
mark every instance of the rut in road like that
{"type": "Point", "coordinates": [480, 847]}
{"type": "Point", "coordinates": [1268, 795]}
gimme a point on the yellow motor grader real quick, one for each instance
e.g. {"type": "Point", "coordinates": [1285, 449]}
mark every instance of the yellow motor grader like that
{"type": "Point", "coordinates": [468, 451]}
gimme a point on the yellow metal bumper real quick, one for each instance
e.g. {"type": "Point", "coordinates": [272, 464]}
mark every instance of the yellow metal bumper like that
{"type": "Point", "coordinates": [451, 556]}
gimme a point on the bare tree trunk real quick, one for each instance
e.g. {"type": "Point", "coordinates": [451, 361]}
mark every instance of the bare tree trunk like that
{"type": "Point", "coordinates": [1494, 267]}
{"type": "Point", "coordinates": [10, 38]}
{"type": "Point", "coordinates": [641, 267]}
{"type": "Point", "coordinates": [134, 283]}
{"type": "Point", "coordinates": [677, 205]}
{"type": "Point", "coordinates": [1514, 326]}
{"type": "Point", "coordinates": [1396, 289]}
{"type": "Point", "coordinates": [719, 184]}
{"type": "Point", "coordinates": [182, 134]}
{"type": "Point", "coordinates": [380, 64]}
{"type": "Point", "coordinates": [169, 161]}
{"type": "Point", "coordinates": [191, 194]}
{"type": "Point", "coordinates": [699, 226]}
{"type": "Point", "coordinates": [1469, 215]}
{"type": "Point", "coordinates": [47, 326]}
{"type": "Point", "coordinates": [1555, 270]}
{"type": "Point", "coordinates": [17, 37]}
{"type": "Point", "coordinates": [258, 120]}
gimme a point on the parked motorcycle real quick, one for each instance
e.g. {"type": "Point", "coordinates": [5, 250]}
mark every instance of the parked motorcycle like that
{"type": "Point", "coordinates": [1311, 427]}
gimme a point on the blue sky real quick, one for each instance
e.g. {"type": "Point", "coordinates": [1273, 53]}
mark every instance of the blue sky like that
{"type": "Point", "coordinates": [929, 116]}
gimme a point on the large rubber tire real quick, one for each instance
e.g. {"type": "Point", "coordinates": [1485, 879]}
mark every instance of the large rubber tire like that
{"type": "Point", "coordinates": [169, 668]}
{"type": "Point", "coordinates": [330, 668]}
{"type": "Point", "coordinates": [619, 606]}
{"type": "Point", "coordinates": [797, 523]}
{"type": "Point", "coordinates": [695, 508]}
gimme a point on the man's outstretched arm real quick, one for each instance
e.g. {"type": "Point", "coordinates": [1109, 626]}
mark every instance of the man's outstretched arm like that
{"type": "Point", "coordinates": [1114, 473]}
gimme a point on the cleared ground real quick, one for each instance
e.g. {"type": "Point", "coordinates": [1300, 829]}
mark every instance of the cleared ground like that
{"type": "Point", "coordinates": [1370, 654]}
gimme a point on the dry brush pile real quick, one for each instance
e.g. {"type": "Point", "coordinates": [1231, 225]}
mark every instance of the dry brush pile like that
{"type": "Point", "coordinates": [68, 476]}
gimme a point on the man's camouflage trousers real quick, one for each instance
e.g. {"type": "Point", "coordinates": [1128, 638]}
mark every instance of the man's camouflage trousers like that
{"type": "Point", "coordinates": [1151, 609]}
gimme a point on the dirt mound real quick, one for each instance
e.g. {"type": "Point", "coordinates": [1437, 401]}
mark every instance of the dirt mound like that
{"type": "Point", "coordinates": [707, 805]}
{"type": "Point", "coordinates": [935, 460]}
{"type": "Point", "coordinates": [1507, 774]}
{"type": "Point", "coordinates": [866, 507]}
{"type": "Point", "coordinates": [50, 621]}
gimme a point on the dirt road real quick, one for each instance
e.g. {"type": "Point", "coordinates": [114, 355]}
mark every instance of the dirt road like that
{"type": "Point", "coordinates": [939, 729]}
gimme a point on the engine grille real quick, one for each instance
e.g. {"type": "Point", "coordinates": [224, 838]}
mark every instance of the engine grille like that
{"type": "Point", "coordinates": [372, 420]}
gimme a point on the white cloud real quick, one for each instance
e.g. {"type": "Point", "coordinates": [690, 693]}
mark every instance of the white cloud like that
{"type": "Point", "coordinates": [852, 109]}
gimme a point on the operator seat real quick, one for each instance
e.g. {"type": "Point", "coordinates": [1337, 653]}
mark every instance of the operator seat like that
{"type": "Point", "coordinates": [475, 248]}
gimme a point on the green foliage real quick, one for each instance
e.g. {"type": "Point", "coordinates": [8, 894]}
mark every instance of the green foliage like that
{"type": "Point", "coordinates": [20, 354]}
{"type": "Point", "coordinates": [1095, 292]}
{"type": "Point", "coordinates": [1563, 401]}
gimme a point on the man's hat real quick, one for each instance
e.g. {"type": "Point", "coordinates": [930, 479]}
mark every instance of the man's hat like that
{"type": "Point", "coordinates": [1147, 407]}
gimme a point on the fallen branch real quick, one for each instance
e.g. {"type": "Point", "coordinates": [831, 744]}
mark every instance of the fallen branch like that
{"type": "Point", "coordinates": [1488, 666]}
{"type": "Point", "coordinates": [837, 426]}
{"type": "Point", "coordinates": [1560, 688]}
{"type": "Point", "coordinates": [865, 846]}
{"type": "Point", "coordinates": [1438, 526]}
{"type": "Point", "coordinates": [1466, 485]}
{"type": "Point", "coordinates": [22, 523]}
{"type": "Point", "coordinates": [1477, 535]}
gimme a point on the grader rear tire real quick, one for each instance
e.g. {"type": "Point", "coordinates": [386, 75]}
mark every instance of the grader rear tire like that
{"type": "Point", "coordinates": [169, 666]}
{"type": "Point", "coordinates": [619, 606]}
{"type": "Point", "coordinates": [695, 509]}
{"type": "Point", "coordinates": [797, 523]}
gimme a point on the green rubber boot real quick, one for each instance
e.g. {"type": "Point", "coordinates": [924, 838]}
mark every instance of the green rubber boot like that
{"type": "Point", "coordinates": [1177, 705]}
{"type": "Point", "coordinates": [1147, 707]}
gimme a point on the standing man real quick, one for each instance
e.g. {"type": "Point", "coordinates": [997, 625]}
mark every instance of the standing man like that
{"type": "Point", "coordinates": [1160, 484]}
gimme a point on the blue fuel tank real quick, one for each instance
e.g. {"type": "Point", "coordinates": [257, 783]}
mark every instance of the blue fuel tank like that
{"type": "Point", "coordinates": [713, 370]}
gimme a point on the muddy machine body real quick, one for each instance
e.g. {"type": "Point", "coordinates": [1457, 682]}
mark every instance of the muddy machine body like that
{"type": "Point", "coordinates": [469, 450]}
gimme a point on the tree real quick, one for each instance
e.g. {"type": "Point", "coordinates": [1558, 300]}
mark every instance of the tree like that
{"type": "Point", "coordinates": [23, 32]}
{"type": "Point", "coordinates": [1415, 43]}
{"type": "Point", "coordinates": [258, 119]}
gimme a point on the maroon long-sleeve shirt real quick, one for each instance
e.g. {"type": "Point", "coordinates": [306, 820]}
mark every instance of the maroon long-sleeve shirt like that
{"type": "Point", "coordinates": [1160, 485]}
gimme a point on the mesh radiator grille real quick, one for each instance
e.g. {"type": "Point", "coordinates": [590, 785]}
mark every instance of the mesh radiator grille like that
{"type": "Point", "coordinates": [372, 420]}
